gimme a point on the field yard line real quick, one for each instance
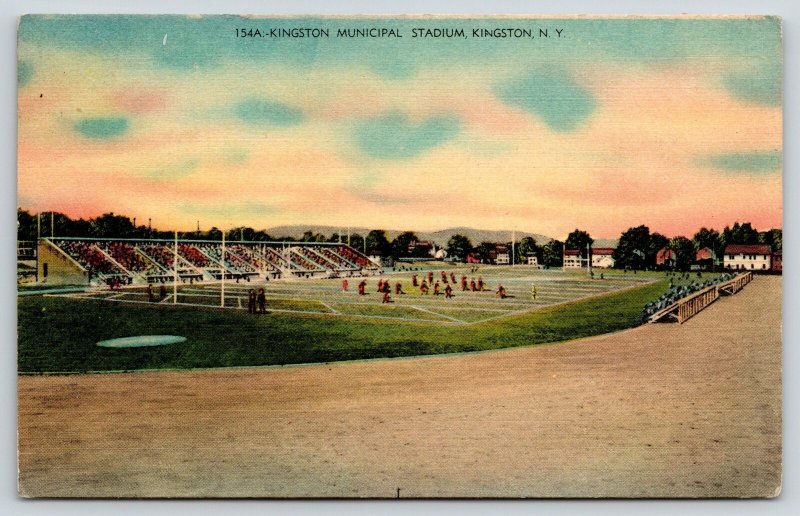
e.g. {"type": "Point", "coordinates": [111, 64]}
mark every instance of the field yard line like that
{"type": "Point", "coordinates": [520, 312]}
{"type": "Point", "coordinates": [329, 307]}
{"type": "Point", "coordinates": [440, 315]}
{"type": "Point", "coordinates": [282, 310]}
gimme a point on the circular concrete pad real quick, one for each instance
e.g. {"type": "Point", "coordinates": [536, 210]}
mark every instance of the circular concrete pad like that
{"type": "Point", "coordinates": [141, 341]}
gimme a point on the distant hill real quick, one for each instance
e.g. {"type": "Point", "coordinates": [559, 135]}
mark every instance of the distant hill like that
{"type": "Point", "coordinates": [439, 237]}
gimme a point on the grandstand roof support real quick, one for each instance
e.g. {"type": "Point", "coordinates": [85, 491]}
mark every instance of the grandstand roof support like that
{"type": "Point", "coordinates": [175, 272]}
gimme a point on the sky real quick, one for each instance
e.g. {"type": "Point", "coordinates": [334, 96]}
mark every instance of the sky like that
{"type": "Point", "coordinates": [613, 123]}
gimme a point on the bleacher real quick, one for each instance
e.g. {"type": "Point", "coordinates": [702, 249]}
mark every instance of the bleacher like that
{"type": "Point", "coordinates": [140, 261]}
{"type": "Point", "coordinates": [91, 258]}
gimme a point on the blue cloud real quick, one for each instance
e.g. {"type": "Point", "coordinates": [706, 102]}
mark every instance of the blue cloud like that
{"type": "Point", "coordinates": [24, 73]}
{"type": "Point", "coordinates": [223, 211]}
{"type": "Point", "coordinates": [770, 161]}
{"type": "Point", "coordinates": [761, 85]}
{"type": "Point", "coordinates": [393, 136]}
{"type": "Point", "coordinates": [552, 95]}
{"type": "Point", "coordinates": [267, 112]}
{"type": "Point", "coordinates": [176, 170]}
{"type": "Point", "coordinates": [102, 128]}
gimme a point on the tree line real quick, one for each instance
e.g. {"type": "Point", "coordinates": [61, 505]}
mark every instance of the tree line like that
{"type": "Point", "coordinates": [636, 249]}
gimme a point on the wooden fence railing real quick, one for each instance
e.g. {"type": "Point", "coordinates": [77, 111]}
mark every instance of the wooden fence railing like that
{"type": "Point", "coordinates": [689, 306]}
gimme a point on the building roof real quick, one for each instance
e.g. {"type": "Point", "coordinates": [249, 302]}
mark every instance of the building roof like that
{"type": "Point", "coordinates": [704, 254]}
{"type": "Point", "coordinates": [748, 249]}
{"type": "Point", "coordinates": [571, 252]}
{"type": "Point", "coordinates": [664, 254]}
{"type": "Point", "coordinates": [603, 251]}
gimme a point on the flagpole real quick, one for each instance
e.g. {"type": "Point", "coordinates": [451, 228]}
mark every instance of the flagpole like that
{"type": "Point", "coordinates": [513, 241]}
{"type": "Point", "coordinates": [175, 277]}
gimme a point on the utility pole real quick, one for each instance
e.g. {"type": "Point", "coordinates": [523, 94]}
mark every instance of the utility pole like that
{"type": "Point", "coordinates": [222, 260]}
{"type": "Point", "coordinates": [175, 277]}
{"type": "Point", "coordinates": [513, 242]}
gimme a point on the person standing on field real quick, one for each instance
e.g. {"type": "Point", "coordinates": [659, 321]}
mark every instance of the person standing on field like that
{"type": "Point", "coordinates": [251, 301]}
{"type": "Point", "coordinates": [262, 301]}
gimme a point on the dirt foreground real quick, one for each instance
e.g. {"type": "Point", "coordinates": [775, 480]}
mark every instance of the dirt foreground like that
{"type": "Point", "coordinates": [665, 410]}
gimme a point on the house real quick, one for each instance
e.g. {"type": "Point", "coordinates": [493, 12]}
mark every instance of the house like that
{"type": "Point", "coordinates": [777, 262]}
{"type": "Point", "coordinates": [500, 254]}
{"type": "Point", "coordinates": [666, 257]}
{"type": "Point", "coordinates": [753, 257]}
{"type": "Point", "coordinates": [603, 257]}
{"type": "Point", "coordinates": [473, 257]}
{"type": "Point", "coordinates": [704, 259]}
{"type": "Point", "coordinates": [532, 260]}
{"type": "Point", "coordinates": [572, 259]}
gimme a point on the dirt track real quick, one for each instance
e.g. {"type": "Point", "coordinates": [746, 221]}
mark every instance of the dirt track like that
{"type": "Point", "coordinates": [662, 410]}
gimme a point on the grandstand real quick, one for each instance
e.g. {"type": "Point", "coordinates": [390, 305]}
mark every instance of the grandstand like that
{"type": "Point", "coordinates": [101, 261]}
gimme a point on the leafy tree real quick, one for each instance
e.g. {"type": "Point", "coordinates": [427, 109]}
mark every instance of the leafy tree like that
{"type": "Point", "coordinates": [213, 234]}
{"type": "Point", "coordinates": [631, 251]}
{"type": "Point", "coordinates": [378, 243]}
{"type": "Point", "coordinates": [684, 252]}
{"type": "Point", "coordinates": [356, 242]}
{"type": "Point", "coordinates": [26, 225]}
{"type": "Point", "coordinates": [739, 234]}
{"type": "Point", "coordinates": [656, 243]}
{"type": "Point", "coordinates": [241, 233]}
{"type": "Point", "coordinates": [526, 247]}
{"type": "Point", "coordinates": [401, 243]}
{"type": "Point", "coordinates": [773, 238]}
{"type": "Point", "coordinates": [109, 225]}
{"type": "Point", "coordinates": [312, 236]}
{"type": "Point", "coordinates": [579, 240]}
{"type": "Point", "coordinates": [262, 236]}
{"type": "Point", "coordinates": [553, 254]}
{"type": "Point", "coordinates": [710, 238]}
{"type": "Point", "coordinates": [459, 247]}
{"type": "Point", "coordinates": [483, 250]}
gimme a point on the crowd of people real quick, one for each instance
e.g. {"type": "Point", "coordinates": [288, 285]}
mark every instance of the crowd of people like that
{"type": "Point", "coordinates": [336, 259]}
{"type": "Point", "coordinates": [125, 254]}
{"type": "Point", "coordinates": [156, 261]}
{"type": "Point", "coordinates": [356, 258]}
{"type": "Point", "coordinates": [677, 292]}
{"type": "Point", "coordinates": [89, 257]}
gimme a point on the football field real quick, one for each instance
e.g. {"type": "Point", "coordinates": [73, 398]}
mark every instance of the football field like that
{"type": "Point", "coordinates": [527, 289]}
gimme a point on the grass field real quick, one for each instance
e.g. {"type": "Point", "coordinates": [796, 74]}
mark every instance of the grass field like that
{"type": "Point", "coordinates": [314, 321]}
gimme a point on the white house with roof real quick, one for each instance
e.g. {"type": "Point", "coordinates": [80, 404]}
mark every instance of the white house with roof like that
{"type": "Point", "coordinates": [603, 257]}
{"type": "Point", "coordinates": [572, 259]}
{"type": "Point", "coordinates": [751, 257]}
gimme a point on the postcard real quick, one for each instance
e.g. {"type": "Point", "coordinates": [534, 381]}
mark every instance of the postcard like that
{"type": "Point", "coordinates": [399, 257]}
